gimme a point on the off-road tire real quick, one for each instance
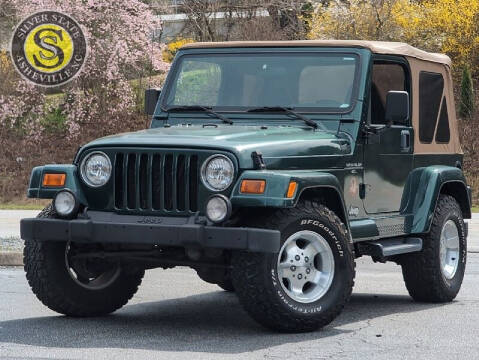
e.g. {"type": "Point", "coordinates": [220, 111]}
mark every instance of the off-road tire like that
{"type": "Point", "coordinates": [255, 277]}
{"type": "Point", "coordinates": [227, 285]}
{"type": "Point", "coordinates": [50, 281]}
{"type": "Point", "coordinates": [422, 271]}
{"type": "Point", "coordinates": [220, 277]}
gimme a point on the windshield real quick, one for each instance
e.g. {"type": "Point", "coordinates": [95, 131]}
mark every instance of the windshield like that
{"type": "Point", "coordinates": [313, 82]}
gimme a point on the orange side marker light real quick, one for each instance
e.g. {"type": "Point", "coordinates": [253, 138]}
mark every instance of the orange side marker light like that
{"type": "Point", "coordinates": [253, 186]}
{"type": "Point", "coordinates": [54, 179]}
{"type": "Point", "coordinates": [291, 189]}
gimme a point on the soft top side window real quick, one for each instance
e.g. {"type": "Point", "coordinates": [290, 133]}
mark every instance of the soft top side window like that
{"type": "Point", "coordinates": [443, 133]}
{"type": "Point", "coordinates": [431, 89]}
{"type": "Point", "coordinates": [386, 76]}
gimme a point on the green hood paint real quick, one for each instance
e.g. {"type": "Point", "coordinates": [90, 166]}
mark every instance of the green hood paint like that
{"type": "Point", "coordinates": [281, 146]}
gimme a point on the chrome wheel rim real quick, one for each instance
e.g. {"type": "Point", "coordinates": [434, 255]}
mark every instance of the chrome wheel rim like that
{"type": "Point", "coordinates": [96, 280]}
{"type": "Point", "coordinates": [305, 266]}
{"type": "Point", "coordinates": [449, 249]}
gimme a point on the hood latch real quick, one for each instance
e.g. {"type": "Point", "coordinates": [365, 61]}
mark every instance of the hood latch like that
{"type": "Point", "coordinates": [258, 160]}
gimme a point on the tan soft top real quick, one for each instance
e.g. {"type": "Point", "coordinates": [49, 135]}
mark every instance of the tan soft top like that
{"type": "Point", "coordinates": [378, 47]}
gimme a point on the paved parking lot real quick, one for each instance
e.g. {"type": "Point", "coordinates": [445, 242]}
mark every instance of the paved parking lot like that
{"type": "Point", "coordinates": [176, 316]}
{"type": "Point", "coordinates": [9, 221]}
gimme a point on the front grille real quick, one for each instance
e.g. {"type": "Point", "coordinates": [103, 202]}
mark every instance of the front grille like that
{"type": "Point", "coordinates": [163, 182]}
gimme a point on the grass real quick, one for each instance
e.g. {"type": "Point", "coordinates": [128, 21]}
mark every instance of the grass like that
{"type": "Point", "coordinates": [25, 204]}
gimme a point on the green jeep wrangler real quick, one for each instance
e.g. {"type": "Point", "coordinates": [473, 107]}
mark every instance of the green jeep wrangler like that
{"type": "Point", "coordinates": [268, 168]}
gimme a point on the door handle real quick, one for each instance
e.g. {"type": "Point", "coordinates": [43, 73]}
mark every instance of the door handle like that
{"type": "Point", "coordinates": [405, 140]}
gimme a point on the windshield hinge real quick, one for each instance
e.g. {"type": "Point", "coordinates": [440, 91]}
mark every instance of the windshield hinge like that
{"type": "Point", "coordinates": [258, 160]}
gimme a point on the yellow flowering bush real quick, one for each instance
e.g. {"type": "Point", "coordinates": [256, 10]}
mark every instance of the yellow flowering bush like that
{"type": "Point", "coordinates": [354, 20]}
{"type": "Point", "coordinates": [170, 51]}
{"type": "Point", "coordinates": [5, 64]}
{"type": "Point", "coordinates": [447, 26]}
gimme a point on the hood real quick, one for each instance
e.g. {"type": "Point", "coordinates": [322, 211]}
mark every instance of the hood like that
{"type": "Point", "coordinates": [281, 146]}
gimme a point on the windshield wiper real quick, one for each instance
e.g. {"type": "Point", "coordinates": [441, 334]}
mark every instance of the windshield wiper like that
{"type": "Point", "coordinates": [206, 109]}
{"type": "Point", "coordinates": [287, 110]}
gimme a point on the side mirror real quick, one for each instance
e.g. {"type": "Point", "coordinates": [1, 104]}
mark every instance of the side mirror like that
{"type": "Point", "coordinates": [397, 107]}
{"type": "Point", "coordinates": [151, 98]}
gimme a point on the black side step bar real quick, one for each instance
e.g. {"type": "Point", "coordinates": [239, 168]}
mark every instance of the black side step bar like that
{"type": "Point", "coordinates": [389, 247]}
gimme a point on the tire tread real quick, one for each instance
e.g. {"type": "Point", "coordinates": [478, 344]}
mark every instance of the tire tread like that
{"type": "Point", "coordinates": [38, 273]}
{"type": "Point", "coordinates": [421, 272]}
{"type": "Point", "coordinates": [256, 298]}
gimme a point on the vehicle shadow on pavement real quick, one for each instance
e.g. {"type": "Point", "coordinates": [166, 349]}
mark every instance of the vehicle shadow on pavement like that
{"type": "Point", "coordinates": [212, 322]}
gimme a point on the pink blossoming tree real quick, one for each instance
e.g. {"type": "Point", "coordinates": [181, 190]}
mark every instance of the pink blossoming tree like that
{"type": "Point", "coordinates": [120, 48]}
{"type": "Point", "coordinates": [103, 99]}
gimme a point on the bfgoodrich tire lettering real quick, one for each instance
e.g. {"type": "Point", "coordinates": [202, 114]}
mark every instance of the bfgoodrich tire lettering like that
{"type": "Point", "coordinates": [259, 288]}
{"type": "Point", "coordinates": [425, 281]}
{"type": "Point", "coordinates": [49, 279]}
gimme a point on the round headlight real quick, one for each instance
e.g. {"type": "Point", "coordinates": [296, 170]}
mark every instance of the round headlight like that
{"type": "Point", "coordinates": [65, 203]}
{"type": "Point", "coordinates": [218, 208]}
{"type": "Point", "coordinates": [96, 169]}
{"type": "Point", "coordinates": [217, 172]}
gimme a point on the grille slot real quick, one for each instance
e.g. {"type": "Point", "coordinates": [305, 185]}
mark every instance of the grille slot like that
{"type": "Point", "coordinates": [180, 183]}
{"type": "Point", "coordinates": [144, 181]}
{"type": "Point", "coordinates": [162, 182]}
{"type": "Point", "coordinates": [130, 182]}
{"type": "Point", "coordinates": [119, 181]}
{"type": "Point", "coordinates": [168, 182]}
{"type": "Point", "coordinates": [193, 183]}
{"type": "Point", "coordinates": [157, 184]}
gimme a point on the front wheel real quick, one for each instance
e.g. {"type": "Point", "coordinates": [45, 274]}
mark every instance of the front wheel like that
{"type": "Point", "coordinates": [70, 284]}
{"type": "Point", "coordinates": [306, 285]}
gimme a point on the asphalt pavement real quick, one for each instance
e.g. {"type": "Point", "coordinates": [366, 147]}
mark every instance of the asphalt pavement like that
{"type": "Point", "coordinates": [175, 315]}
{"type": "Point", "coordinates": [10, 221]}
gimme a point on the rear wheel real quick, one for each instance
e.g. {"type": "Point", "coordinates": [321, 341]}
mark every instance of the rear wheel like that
{"type": "Point", "coordinates": [306, 285]}
{"type": "Point", "coordinates": [70, 283]}
{"type": "Point", "coordinates": [435, 274]}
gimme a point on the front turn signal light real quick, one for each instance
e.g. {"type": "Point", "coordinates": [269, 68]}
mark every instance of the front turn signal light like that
{"type": "Point", "coordinates": [291, 189]}
{"type": "Point", "coordinates": [253, 186]}
{"type": "Point", "coordinates": [54, 179]}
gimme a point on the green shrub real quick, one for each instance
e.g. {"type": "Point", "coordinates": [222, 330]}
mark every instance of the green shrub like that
{"type": "Point", "coordinates": [466, 106]}
{"type": "Point", "coordinates": [54, 121]}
